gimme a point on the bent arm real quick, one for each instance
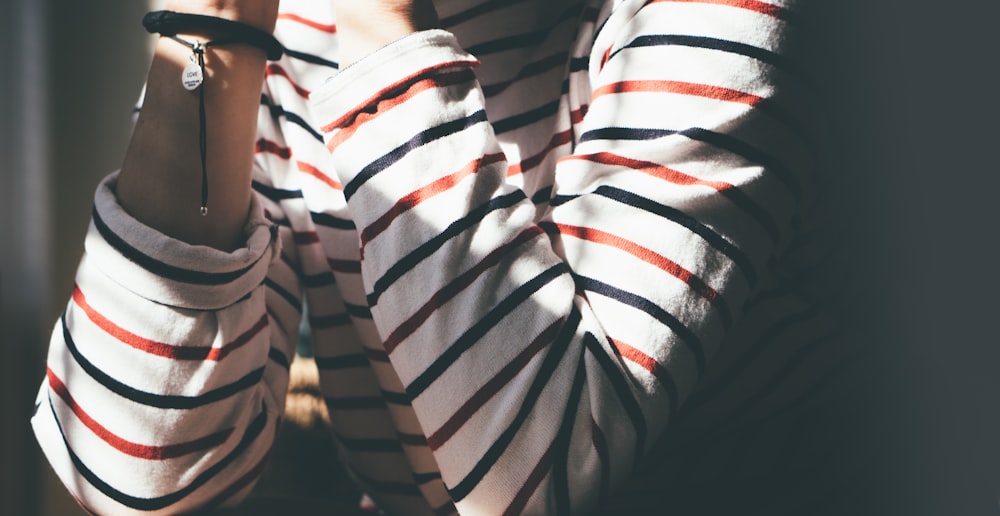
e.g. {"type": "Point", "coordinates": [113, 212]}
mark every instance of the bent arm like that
{"type": "Point", "coordinates": [544, 354]}
{"type": "Point", "coordinates": [166, 372]}
{"type": "Point", "coordinates": [160, 181]}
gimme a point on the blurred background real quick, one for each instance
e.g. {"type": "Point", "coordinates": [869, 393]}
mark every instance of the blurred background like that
{"type": "Point", "coordinates": [912, 87]}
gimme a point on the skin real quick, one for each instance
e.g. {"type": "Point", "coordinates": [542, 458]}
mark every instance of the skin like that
{"type": "Point", "coordinates": [160, 180]}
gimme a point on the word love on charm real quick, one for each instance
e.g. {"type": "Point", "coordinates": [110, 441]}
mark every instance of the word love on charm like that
{"type": "Point", "coordinates": [192, 76]}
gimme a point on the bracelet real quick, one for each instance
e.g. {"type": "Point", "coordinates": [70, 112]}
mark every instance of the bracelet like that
{"type": "Point", "coordinates": [169, 24]}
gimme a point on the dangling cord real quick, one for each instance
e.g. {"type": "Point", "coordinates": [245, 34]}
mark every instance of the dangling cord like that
{"type": "Point", "coordinates": [193, 81]}
{"type": "Point", "coordinates": [169, 23]}
{"type": "Point", "coordinates": [199, 50]}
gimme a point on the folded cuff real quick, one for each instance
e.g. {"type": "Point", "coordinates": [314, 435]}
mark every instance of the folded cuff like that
{"type": "Point", "coordinates": [372, 77]}
{"type": "Point", "coordinates": [171, 272]}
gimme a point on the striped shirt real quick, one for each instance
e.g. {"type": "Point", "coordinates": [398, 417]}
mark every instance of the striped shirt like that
{"type": "Point", "coordinates": [545, 254]}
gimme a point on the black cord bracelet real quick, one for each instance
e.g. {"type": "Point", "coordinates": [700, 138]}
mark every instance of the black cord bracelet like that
{"type": "Point", "coordinates": [228, 32]}
{"type": "Point", "coordinates": [170, 23]}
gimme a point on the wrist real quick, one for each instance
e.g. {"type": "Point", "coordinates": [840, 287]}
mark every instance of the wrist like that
{"type": "Point", "coordinates": [261, 14]}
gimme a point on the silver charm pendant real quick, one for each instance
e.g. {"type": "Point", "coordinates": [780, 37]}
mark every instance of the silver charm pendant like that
{"type": "Point", "coordinates": [192, 77]}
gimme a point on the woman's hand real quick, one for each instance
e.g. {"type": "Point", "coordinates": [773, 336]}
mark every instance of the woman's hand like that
{"type": "Point", "coordinates": [365, 26]}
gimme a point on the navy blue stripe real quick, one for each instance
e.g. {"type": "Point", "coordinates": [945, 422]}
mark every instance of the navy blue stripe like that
{"type": "Point", "coordinates": [555, 355]}
{"type": "Point", "coordinates": [542, 195]}
{"type": "Point", "coordinates": [721, 141]}
{"type": "Point", "coordinates": [397, 398]}
{"type": "Point", "coordinates": [358, 311]}
{"type": "Point", "coordinates": [759, 54]}
{"type": "Point", "coordinates": [311, 58]}
{"type": "Point", "coordinates": [275, 194]}
{"type": "Point", "coordinates": [725, 380]}
{"type": "Point", "coordinates": [481, 328]}
{"type": "Point", "coordinates": [161, 269]}
{"type": "Point", "coordinates": [278, 358]}
{"type": "Point", "coordinates": [286, 295]}
{"type": "Point", "coordinates": [625, 396]}
{"type": "Point", "coordinates": [722, 45]}
{"type": "Point", "coordinates": [653, 310]}
{"type": "Point", "coordinates": [160, 502]}
{"type": "Point", "coordinates": [330, 221]}
{"type": "Point", "coordinates": [323, 279]}
{"type": "Point", "coordinates": [508, 43]}
{"type": "Point", "coordinates": [712, 238]}
{"type": "Point", "coordinates": [560, 464]}
{"type": "Point", "coordinates": [423, 478]}
{"type": "Point", "coordinates": [341, 362]}
{"type": "Point", "coordinates": [579, 64]}
{"type": "Point", "coordinates": [279, 111]}
{"type": "Point", "coordinates": [526, 118]}
{"type": "Point", "coordinates": [151, 399]}
{"type": "Point", "coordinates": [531, 69]}
{"type": "Point", "coordinates": [428, 248]}
{"type": "Point", "coordinates": [421, 139]}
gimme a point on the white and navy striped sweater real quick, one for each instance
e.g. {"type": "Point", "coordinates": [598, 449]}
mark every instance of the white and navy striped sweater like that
{"type": "Point", "coordinates": [524, 253]}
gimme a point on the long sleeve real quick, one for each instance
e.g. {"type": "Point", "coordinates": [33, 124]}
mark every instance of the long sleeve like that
{"type": "Point", "coordinates": [546, 335]}
{"type": "Point", "coordinates": [166, 376]}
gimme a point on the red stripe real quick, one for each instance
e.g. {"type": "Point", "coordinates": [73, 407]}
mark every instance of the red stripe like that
{"type": "Point", "coordinates": [557, 140]}
{"type": "Point", "coordinates": [275, 69]}
{"type": "Point", "coordinates": [486, 392]}
{"type": "Point", "coordinates": [305, 237]}
{"type": "Point", "coordinates": [318, 174]}
{"type": "Point", "coordinates": [376, 107]}
{"type": "Point", "coordinates": [651, 168]}
{"type": "Point", "coordinates": [680, 88]}
{"type": "Point", "coordinates": [774, 11]}
{"type": "Point", "coordinates": [128, 447]}
{"type": "Point", "coordinates": [269, 147]}
{"type": "Point", "coordinates": [399, 86]}
{"type": "Point", "coordinates": [531, 483]}
{"type": "Point", "coordinates": [162, 349]}
{"type": "Point", "coordinates": [643, 253]}
{"type": "Point", "coordinates": [642, 360]}
{"type": "Point", "coordinates": [605, 58]}
{"type": "Point", "coordinates": [416, 197]}
{"type": "Point", "coordinates": [331, 28]}
{"type": "Point", "coordinates": [452, 289]}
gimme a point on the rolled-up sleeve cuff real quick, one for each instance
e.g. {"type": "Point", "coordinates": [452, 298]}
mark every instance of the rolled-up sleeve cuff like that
{"type": "Point", "coordinates": [380, 73]}
{"type": "Point", "coordinates": [171, 272]}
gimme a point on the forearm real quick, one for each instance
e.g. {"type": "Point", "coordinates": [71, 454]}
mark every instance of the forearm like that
{"type": "Point", "coordinates": [160, 181]}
